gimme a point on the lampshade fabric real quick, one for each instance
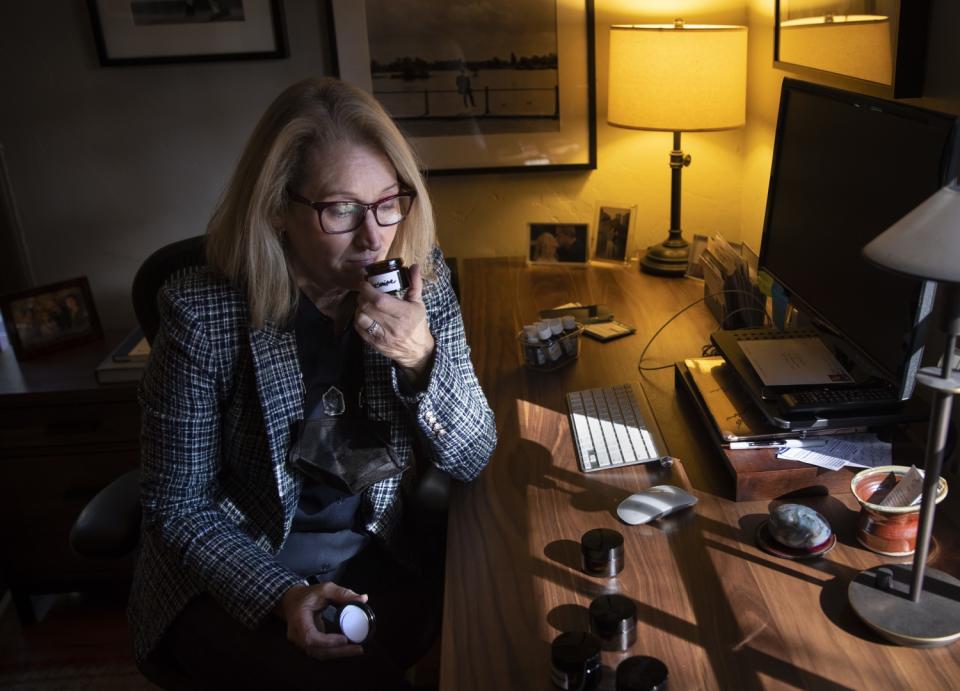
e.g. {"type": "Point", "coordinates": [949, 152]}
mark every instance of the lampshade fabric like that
{"type": "Point", "coordinates": [677, 79]}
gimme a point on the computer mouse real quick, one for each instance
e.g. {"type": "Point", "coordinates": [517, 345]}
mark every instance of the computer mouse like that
{"type": "Point", "coordinates": [656, 502]}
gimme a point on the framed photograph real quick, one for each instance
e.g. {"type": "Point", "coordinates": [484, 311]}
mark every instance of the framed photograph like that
{"type": "Point", "coordinates": [695, 268]}
{"type": "Point", "coordinates": [614, 226]}
{"type": "Point", "coordinates": [558, 243]}
{"type": "Point", "coordinates": [494, 86]}
{"type": "Point", "coordinates": [51, 317]}
{"type": "Point", "coordinates": [140, 32]}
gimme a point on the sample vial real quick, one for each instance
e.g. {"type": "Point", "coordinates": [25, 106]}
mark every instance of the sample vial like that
{"type": "Point", "coordinates": [533, 353]}
{"type": "Point", "coordinates": [571, 338]}
{"type": "Point", "coordinates": [554, 351]}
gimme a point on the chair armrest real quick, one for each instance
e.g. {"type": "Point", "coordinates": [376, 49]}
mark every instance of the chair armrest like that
{"type": "Point", "coordinates": [109, 525]}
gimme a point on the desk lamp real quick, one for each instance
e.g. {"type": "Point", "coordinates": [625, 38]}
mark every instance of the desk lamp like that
{"type": "Point", "coordinates": [676, 78]}
{"type": "Point", "coordinates": [924, 244]}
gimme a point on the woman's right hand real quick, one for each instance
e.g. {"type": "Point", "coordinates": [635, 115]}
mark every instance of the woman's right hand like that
{"type": "Point", "coordinates": [301, 606]}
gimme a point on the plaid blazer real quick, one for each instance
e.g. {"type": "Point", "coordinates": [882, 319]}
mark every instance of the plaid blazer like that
{"type": "Point", "coordinates": [218, 401]}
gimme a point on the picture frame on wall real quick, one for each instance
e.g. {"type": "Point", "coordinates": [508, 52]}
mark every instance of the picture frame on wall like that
{"type": "Point", "coordinates": [558, 243]}
{"type": "Point", "coordinates": [143, 32]}
{"type": "Point", "coordinates": [50, 317]}
{"type": "Point", "coordinates": [613, 230]}
{"type": "Point", "coordinates": [498, 86]}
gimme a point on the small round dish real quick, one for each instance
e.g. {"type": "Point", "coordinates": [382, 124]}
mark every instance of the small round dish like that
{"type": "Point", "coordinates": [770, 545]}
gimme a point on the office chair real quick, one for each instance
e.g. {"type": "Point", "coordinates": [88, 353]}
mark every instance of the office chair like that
{"type": "Point", "coordinates": [109, 525]}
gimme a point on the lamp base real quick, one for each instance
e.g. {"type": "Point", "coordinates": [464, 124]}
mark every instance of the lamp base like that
{"type": "Point", "coordinates": [670, 258]}
{"type": "Point", "coordinates": [929, 623]}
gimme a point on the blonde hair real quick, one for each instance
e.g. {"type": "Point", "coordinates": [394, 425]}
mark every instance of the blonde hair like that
{"type": "Point", "coordinates": [314, 116]}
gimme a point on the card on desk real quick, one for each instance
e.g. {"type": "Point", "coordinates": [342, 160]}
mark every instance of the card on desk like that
{"type": "Point", "coordinates": [607, 331]}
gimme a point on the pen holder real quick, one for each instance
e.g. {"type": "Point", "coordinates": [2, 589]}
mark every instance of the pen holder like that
{"type": "Point", "coordinates": [887, 530]}
{"type": "Point", "coordinates": [558, 352]}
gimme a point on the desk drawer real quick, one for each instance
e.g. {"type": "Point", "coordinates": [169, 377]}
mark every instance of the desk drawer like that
{"type": "Point", "coordinates": [40, 498]}
{"type": "Point", "coordinates": [72, 426]}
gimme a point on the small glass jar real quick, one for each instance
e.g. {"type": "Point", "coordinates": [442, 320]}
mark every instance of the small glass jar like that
{"type": "Point", "coordinates": [389, 276]}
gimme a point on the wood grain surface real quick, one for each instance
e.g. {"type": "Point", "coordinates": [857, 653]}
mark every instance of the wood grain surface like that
{"type": "Point", "coordinates": [721, 613]}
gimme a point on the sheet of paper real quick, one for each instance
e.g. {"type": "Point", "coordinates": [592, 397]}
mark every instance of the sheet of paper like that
{"type": "Point", "coordinates": [856, 450]}
{"type": "Point", "coordinates": [794, 362]}
{"type": "Point", "coordinates": [816, 456]}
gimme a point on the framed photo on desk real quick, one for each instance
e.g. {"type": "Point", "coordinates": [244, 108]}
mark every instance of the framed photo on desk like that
{"type": "Point", "coordinates": [613, 226]}
{"type": "Point", "coordinates": [558, 243]}
{"type": "Point", "coordinates": [49, 318]}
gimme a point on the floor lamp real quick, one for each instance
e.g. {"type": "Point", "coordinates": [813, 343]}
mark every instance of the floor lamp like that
{"type": "Point", "coordinates": [920, 606]}
{"type": "Point", "coordinates": [676, 78]}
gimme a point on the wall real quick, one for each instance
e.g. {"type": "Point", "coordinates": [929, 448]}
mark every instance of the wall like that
{"type": "Point", "coordinates": [108, 164]}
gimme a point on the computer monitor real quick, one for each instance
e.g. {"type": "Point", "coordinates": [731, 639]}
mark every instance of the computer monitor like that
{"type": "Point", "coordinates": [845, 167]}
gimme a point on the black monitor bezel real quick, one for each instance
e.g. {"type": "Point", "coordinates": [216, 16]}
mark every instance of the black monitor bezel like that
{"type": "Point", "coordinates": [904, 378]}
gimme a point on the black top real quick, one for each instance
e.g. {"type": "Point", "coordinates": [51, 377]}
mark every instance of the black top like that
{"type": "Point", "coordinates": [325, 532]}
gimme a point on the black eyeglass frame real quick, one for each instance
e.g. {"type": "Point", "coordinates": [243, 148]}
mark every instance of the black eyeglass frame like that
{"type": "Point", "coordinates": [372, 206]}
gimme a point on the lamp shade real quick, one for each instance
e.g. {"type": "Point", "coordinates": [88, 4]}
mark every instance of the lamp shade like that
{"type": "Point", "coordinates": [926, 242]}
{"type": "Point", "coordinates": [677, 78]}
{"type": "Point", "coordinates": [857, 45]}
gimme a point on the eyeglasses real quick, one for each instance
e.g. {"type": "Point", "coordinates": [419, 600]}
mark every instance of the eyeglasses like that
{"type": "Point", "coordinates": [344, 217]}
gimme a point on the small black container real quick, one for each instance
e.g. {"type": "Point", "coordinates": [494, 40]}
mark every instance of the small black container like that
{"type": "Point", "coordinates": [642, 673]}
{"type": "Point", "coordinates": [601, 550]}
{"type": "Point", "coordinates": [613, 620]}
{"type": "Point", "coordinates": [575, 660]}
{"type": "Point", "coordinates": [388, 276]}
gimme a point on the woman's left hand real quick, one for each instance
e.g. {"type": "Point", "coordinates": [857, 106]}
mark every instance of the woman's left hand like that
{"type": "Point", "coordinates": [398, 328]}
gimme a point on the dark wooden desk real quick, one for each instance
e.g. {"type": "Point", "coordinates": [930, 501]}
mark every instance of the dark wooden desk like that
{"type": "Point", "coordinates": [63, 438]}
{"type": "Point", "coordinates": [717, 610]}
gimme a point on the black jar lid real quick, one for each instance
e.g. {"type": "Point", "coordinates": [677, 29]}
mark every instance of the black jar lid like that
{"type": "Point", "coordinates": [383, 267]}
{"type": "Point", "coordinates": [612, 614]}
{"type": "Point", "coordinates": [642, 673]}
{"type": "Point", "coordinates": [575, 652]}
{"type": "Point", "coordinates": [601, 544]}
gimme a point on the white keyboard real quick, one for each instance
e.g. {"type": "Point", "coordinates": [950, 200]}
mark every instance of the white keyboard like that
{"type": "Point", "coordinates": [609, 429]}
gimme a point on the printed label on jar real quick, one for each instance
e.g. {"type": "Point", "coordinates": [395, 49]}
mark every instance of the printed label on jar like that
{"type": "Point", "coordinates": [386, 282]}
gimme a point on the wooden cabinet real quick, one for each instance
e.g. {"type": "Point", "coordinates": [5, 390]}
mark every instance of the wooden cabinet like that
{"type": "Point", "coordinates": [63, 437]}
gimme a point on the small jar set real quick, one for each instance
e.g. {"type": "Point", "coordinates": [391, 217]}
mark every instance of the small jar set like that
{"type": "Point", "coordinates": [550, 344]}
{"type": "Point", "coordinates": [575, 661]}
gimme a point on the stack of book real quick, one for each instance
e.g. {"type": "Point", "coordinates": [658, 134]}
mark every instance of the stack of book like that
{"type": "Point", "coordinates": [126, 362]}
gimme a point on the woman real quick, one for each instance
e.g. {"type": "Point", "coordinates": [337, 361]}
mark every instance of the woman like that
{"type": "Point", "coordinates": [282, 403]}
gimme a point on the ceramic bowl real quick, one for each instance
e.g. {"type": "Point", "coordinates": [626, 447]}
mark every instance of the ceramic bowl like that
{"type": "Point", "coordinates": [887, 530]}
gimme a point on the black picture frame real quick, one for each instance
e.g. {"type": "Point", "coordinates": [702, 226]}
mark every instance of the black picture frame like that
{"type": "Point", "coordinates": [907, 21]}
{"type": "Point", "coordinates": [181, 32]}
{"type": "Point", "coordinates": [51, 317]}
{"type": "Point", "coordinates": [475, 140]}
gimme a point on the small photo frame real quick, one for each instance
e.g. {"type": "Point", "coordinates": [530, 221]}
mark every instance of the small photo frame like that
{"type": "Point", "coordinates": [51, 317]}
{"type": "Point", "coordinates": [614, 226]}
{"type": "Point", "coordinates": [558, 243]}
{"type": "Point", "coordinates": [695, 268]}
